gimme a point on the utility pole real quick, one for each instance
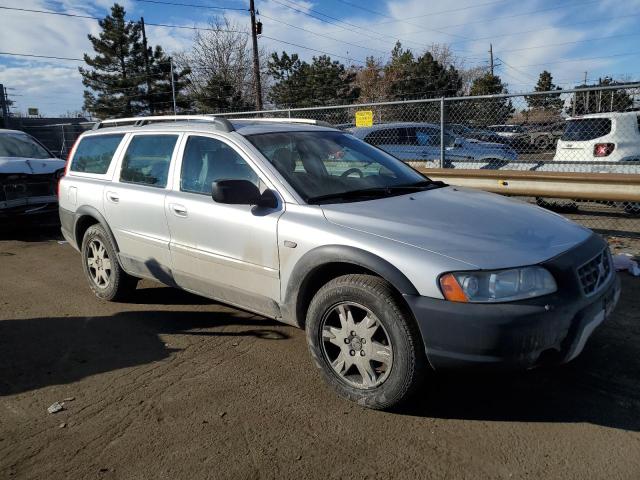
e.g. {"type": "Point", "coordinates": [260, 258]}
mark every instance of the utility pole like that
{"type": "Point", "coordinates": [586, 95]}
{"type": "Point", "coordinates": [491, 57]}
{"type": "Point", "coordinates": [256, 61]}
{"type": "Point", "coordinates": [173, 88]}
{"type": "Point", "coordinates": [4, 106]}
{"type": "Point", "coordinates": [147, 68]}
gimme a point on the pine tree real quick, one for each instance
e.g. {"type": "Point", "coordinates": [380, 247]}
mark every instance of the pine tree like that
{"type": "Point", "coordinates": [161, 95]}
{"type": "Point", "coordinates": [115, 79]}
{"type": "Point", "coordinates": [422, 77]}
{"type": "Point", "coordinates": [488, 111]}
{"type": "Point", "coordinates": [302, 84]}
{"type": "Point", "coordinates": [549, 102]}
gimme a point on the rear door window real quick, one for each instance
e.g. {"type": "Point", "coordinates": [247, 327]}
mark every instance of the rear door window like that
{"type": "Point", "coordinates": [387, 136]}
{"type": "Point", "coordinates": [147, 160]}
{"type": "Point", "coordinates": [583, 129]}
{"type": "Point", "coordinates": [94, 153]}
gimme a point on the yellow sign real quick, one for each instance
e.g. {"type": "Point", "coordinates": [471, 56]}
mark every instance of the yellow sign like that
{"type": "Point", "coordinates": [364, 118]}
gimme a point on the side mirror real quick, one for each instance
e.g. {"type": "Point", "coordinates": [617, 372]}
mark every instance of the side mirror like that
{"type": "Point", "coordinates": [458, 142]}
{"type": "Point", "coordinates": [242, 192]}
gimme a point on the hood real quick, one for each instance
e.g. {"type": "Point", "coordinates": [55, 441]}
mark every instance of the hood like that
{"type": "Point", "coordinates": [484, 230]}
{"type": "Point", "coordinates": [34, 166]}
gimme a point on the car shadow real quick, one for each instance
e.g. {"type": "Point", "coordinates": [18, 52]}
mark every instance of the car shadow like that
{"type": "Point", "coordinates": [601, 386]}
{"type": "Point", "coordinates": [38, 352]}
{"type": "Point", "coordinates": [164, 295]}
{"type": "Point", "coordinates": [39, 228]}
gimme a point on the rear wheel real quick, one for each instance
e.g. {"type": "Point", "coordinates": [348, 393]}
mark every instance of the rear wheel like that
{"type": "Point", "coordinates": [106, 277]}
{"type": "Point", "coordinates": [366, 345]}
{"type": "Point", "coordinates": [542, 143]}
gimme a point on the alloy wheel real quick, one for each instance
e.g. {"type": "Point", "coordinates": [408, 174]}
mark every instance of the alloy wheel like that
{"type": "Point", "coordinates": [356, 345]}
{"type": "Point", "coordinates": [99, 263]}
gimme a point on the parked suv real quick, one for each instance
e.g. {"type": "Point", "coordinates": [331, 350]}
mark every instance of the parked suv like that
{"type": "Point", "coordinates": [390, 273]}
{"type": "Point", "coordinates": [409, 141]}
{"type": "Point", "coordinates": [601, 137]}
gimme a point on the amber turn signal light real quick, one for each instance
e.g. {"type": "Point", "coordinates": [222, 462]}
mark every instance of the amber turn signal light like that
{"type": "Point", "coordinates": [451, 289]}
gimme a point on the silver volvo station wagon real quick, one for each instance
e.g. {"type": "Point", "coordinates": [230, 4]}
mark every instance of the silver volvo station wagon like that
{"type": "Point", "coordinates": [390, 273]}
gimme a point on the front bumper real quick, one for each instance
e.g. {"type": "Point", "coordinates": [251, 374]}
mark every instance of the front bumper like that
{"type": "Point", "coordinates": [523, 334]}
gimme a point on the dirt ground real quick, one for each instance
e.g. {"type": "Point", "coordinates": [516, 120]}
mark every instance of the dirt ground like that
{"type": "Point", "coordinates": [173, 386]}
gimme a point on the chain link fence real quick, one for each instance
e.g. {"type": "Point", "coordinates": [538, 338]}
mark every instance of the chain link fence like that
{"type": "Point", "coordinates": [580, 131]}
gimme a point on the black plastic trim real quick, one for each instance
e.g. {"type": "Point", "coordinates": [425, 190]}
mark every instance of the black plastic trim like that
{"type": "Point", "coordinates": [331, 254]}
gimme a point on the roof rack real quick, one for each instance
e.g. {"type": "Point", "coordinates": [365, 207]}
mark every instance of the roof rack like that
{"type": "Point", "coordinates": [307, 121]}
{"type": "Point", "coordinates": [220, 123]}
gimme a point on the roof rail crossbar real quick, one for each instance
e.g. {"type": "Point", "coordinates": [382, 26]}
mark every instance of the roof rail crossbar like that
{"type": "Point", "coordinates": [219, 122]}
{"type": "Point", "coordinates": [308, 121]}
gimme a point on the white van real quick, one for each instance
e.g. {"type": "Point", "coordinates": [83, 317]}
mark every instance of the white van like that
{"type": "Point", "coordinates": [600, 137]}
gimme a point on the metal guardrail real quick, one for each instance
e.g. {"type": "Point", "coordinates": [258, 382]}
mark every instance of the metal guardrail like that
{"type": "Point", "coordinates": [572, 185]}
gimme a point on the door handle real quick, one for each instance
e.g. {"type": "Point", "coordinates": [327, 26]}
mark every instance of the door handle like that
{"type": "Point", "coordinates": [179, 210]}
{"type": "Point", "coordinates": [113, 197]}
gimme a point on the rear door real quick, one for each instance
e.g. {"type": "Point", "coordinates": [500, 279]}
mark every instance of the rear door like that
{"type": "Point", "coordinates": [226, 252]}
{"type": "Point", "coordinates": [134, 205]}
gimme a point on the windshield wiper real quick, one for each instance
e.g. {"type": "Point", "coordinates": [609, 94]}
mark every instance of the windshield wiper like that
{"type": "Point", "coordinates": [378, 191]}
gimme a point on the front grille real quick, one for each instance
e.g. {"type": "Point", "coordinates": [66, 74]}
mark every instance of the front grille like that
{"type": "Point", "coordinates": [595, 273]}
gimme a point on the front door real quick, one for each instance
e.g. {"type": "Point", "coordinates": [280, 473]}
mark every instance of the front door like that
{"type": "Point", "coordinates": [226, 252]}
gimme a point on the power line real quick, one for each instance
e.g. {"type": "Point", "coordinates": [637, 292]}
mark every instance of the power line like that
{"type": "Point", "coordinates": [531, 12]}
{"type": "Point", "coordinates": [75, 15]}
{"type": "Point", "coordinates": [314, 49]}
{"type": "Point", "coordinates": [177, 4]}
{"type": "Point", "coordinates": [593, 39]}
{"type": "Point", "coordinates": [13, 54]}
{"type": "Point", "coordinates": [351, 25]}
{"type": "Point", "coordinates": [403, 21]}
{"type": "Point", "coordinates": [626, 54]}
{"type": "Point", "coordinates": [323, 35]}
{"type": "Point", "coordinates": [536, 30]}
{"type": "Point", "coordinates": [445, 11]}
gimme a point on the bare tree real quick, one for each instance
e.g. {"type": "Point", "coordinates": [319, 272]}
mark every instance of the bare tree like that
{"type": "Point", "coordinates": [444, 54]}
{"type": "Point", "coordinates": [221, 75]}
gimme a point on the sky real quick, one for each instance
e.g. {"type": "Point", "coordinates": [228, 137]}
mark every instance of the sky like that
{"type": "Point", "coordinates": [565, 37]}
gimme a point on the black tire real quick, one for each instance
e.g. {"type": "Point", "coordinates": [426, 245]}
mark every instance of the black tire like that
{"type": "Point", "coordinates": [119, 284]}
{"type": "Point", "coordinates": [542, 143]}
{"type": "Point", "coordinates": [408, 365]}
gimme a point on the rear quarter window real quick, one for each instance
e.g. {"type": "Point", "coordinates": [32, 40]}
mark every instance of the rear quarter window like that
{"type": "Point", "coordinates": [586, 129]}
{"type": "Point", "coordinates": [94, 153]}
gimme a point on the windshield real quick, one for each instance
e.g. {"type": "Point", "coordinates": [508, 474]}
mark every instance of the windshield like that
{"type": "Point", "coordinates": [320, 164]}
{"type": "Point", "coordinates": [14, 144]}
{"type": "Point", "coordinates": [586, 129]}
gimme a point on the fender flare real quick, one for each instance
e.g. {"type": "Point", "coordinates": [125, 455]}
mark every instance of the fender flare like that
{"type": "Point", "coordinates": [330, 254]}
{"type": "Point", "coordinates": [88, 211]}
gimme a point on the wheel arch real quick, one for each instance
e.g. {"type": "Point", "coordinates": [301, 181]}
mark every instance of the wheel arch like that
{"type": "Point", "coordinates": [322, 264]}
{"type": "Point", "coordinates": [86, 216]}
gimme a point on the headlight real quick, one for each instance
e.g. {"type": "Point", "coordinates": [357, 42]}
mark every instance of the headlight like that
{"type": "Point", "coordinates": [498, 285]}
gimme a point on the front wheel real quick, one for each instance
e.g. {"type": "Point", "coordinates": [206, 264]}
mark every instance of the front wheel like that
{"type": "Point", "coordinates": [366, 345]}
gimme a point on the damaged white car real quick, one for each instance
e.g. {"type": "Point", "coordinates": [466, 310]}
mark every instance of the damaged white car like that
{"type": "Point", "coordinates": [29, 176]}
